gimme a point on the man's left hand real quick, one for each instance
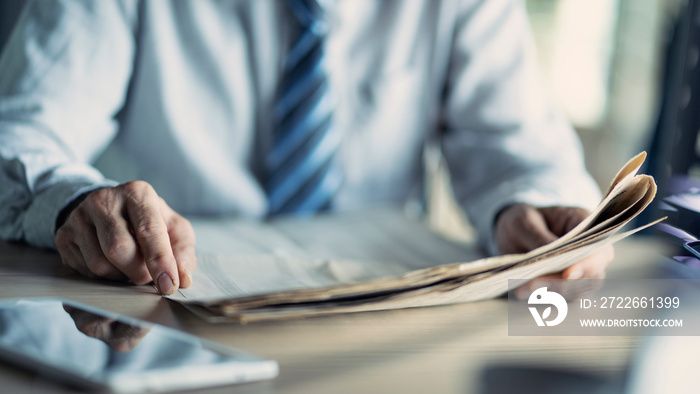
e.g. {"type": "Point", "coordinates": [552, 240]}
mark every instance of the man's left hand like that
{"type": "Point", "coordinates": [521, 228]}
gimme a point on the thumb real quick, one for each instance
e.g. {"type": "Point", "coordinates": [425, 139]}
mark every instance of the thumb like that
{"type": "Point", "coordinates": [521, 228]}
{"type": "Point", "coordinates": [536, 232]}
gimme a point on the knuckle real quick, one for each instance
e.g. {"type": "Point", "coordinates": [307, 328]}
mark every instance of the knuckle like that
{"type": "Point", "coordinates": [136, 190]}
{"type": "Point", "coordinates": [148, 229]}
{"type": "Point", "coordinates": [118, 249]}
{"type": "Point", "coordinates": [530, 215]}
{"type": "Point", "coordinates": [183, 227]}
{"type": "Point", "coordinates": [100, 204]}
{"type": "Point", "coordinates": [528, 222]}
{"type": "Point", "coordinates": [77, 218]}
{"type": "Point", "coordinates": [98, 195]}
{"type": "Point", "coordinates": [178, 222]}
{"type": "Point", "coordinates": [95, 200]}
{"type": "Point", "coordinates": [157, 259]}
{"type": "Point", "coordinates": [62, 239]}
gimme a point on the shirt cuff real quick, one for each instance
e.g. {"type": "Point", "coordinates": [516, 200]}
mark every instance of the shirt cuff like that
{"type": "Point", "coordinates": [527, 190]}
{"type": "Point", "coordinates": [40, 220]}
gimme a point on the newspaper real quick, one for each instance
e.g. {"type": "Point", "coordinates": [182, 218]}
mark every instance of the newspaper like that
{"type": "Point", "coordinates": [279, 285]}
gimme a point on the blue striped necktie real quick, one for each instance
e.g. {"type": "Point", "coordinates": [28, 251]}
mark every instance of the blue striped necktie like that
{"type": "Point", "coordinates": [301, 175]}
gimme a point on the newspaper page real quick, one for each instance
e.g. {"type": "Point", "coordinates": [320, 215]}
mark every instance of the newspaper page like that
{"type": "Point", "coordinates": [248, 288]}
{"type": "Point", "coordinates": [240, 259]}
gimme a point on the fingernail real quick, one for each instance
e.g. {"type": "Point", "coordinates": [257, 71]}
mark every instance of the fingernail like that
{"type": "Point", "coordinates": [576, 274]}
{"type": "Point", "coordinates": [165, 284]}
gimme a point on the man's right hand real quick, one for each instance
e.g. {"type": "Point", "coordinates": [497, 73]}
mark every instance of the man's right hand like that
{"type": "Point", "coordinates": [129, 232]}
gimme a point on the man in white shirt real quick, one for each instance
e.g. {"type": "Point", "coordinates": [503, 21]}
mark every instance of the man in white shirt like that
{"type": "Point", "coordinates": [95, 94]}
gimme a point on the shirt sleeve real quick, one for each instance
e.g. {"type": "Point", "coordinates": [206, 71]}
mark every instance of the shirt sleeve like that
{"type": "Point", "coordinates": [63, 77]}
{"type": "Point", "coordinates": [503, 141]}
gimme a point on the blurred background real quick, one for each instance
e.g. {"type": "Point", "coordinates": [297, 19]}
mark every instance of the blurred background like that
{"type": "Point", "coordinates": [603, 62]}
{"type": "Point", "coordinates": [609, 66]}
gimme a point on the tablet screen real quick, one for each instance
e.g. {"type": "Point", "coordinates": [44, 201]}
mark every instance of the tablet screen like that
{"type": "Point", "coordinates": [91, 348]}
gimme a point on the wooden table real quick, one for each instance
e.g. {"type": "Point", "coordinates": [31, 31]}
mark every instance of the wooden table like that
{"type": "Point", "coordinates": [424, 350]}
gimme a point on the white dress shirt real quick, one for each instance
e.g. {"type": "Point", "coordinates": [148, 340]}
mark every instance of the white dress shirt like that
{"type": "Point", "coordinates": [179, 94]}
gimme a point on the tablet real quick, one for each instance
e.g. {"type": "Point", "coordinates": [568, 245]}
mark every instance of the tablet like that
{"type": "Point", "coordinates": [98, 350]}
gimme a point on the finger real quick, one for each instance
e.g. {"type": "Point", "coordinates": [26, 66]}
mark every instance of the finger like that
{"type": "Point", "coordinates": [572, 218]}
{"type": "Point", "coordinates": [592, 266]}
{"type": "Point", "coordinates": [521, 228]}
{"type": "Point", "coordinates": [68, 250]}
{"type": "Point", "coordinates": [76, 242]}
{"type": "Point", "coordinates": [532, 230]}
{"type": "Point", "coordinates": [119, 247]}
{"type": "Point", "coordinates": [95, 260]}
{"type": "Point", "coordinates": [561, 220]}
{"type": "Point", "coordinates": [150, 229]}
{"type": "Point", "coordinates": [182, 240]}
{"type": "Point", "coordinates": [73, 259]}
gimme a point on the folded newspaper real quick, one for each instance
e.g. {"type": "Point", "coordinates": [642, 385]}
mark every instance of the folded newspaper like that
{"type": "Point", "coordinates": [267, 287]}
